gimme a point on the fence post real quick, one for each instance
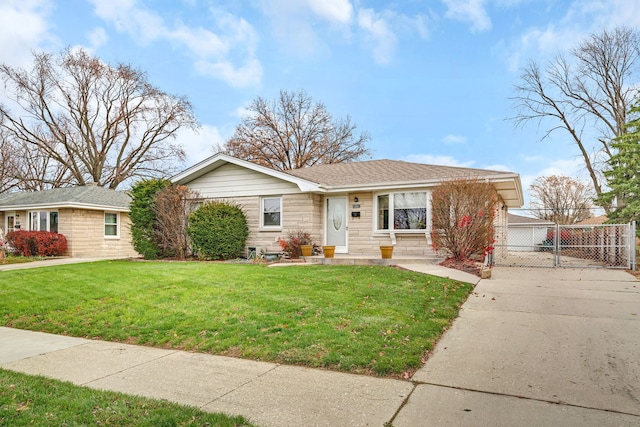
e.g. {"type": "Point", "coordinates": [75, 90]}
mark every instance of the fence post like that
{"type": "Point", "coordinates": [632, 245]}
{"type": "Point", "coordinates": [556, 246]}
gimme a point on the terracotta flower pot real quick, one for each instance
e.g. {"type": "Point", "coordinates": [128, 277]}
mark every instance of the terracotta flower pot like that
{"type": "Point", "coordinates": [306, 250]}
{"type": "Point", "coordinates": [386, 252]}
{"type": "Point", "coordinates": [329, 251]}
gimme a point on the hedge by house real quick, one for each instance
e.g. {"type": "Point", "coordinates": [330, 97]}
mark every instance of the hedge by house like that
{"type": "Point", "coordinates": [143, 217]}
{"type": "Point", "coordinates": [37, 243]}
{"type": "Point", "coordinates": [218, 230]}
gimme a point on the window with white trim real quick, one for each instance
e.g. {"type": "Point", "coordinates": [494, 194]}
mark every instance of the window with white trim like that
{"type": "Point", "coordinates": [402, 211]}
{"type": "Point", "coordinates": [111, 223]}
{"type": "Point", "coordinates": [271, 208]}
{"type": "Point", "coordinates": [43, 221]}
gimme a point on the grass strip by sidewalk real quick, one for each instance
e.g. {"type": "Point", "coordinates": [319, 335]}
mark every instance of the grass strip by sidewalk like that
{"type": "Point", "coordinates": [363, 319]}
{"type": "Point", "coordinates": [27, 400]}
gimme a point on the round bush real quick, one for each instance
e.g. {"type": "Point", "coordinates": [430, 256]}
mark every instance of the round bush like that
{"type": "Point", "coordinates": [218, 230]}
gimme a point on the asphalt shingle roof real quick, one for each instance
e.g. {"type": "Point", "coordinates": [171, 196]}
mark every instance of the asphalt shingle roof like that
{"type": "Point", "coordinates": [90, 196]}
{"type": "Point", "coordinates": [386, 172]}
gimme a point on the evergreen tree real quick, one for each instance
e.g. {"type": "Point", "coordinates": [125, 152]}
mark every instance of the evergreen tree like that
{"type": "Point", "coordinates": [623, 175]}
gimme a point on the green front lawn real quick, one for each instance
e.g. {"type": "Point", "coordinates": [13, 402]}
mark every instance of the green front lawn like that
{"type": "Point", "coordinates": [359, 319]}
{"type": "Point", "coordinates": [37, 401]}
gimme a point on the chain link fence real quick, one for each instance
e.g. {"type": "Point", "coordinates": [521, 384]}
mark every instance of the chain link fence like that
{"type": "Point", "coordinates": [544, 244]}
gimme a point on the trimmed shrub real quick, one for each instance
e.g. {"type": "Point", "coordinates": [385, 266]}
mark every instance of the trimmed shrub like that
{"type": "Point", "coordinates": [37, 243]}
{"type": "Point", "coordinates": [218, 230]}
{"type": "Point", "coordinates": [143, 217]}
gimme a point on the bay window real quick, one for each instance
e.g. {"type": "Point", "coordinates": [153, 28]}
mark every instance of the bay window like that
{"type": "Point", "coordinates": [402, 211]}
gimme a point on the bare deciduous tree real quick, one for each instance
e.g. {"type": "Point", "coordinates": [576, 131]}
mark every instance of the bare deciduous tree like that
{"type": "Point", "coordinates": [586, 94]}
{"type": "Point", "coordinates": [293, 132]}
{"type": "Point", "coordinates": [172, 208]}
{"type": "Point", "coordinates": [8, 167]}
{"type": "Point", "coordinates": [98, 123]}
{"type": "Point", "coordinates": [560, 199]}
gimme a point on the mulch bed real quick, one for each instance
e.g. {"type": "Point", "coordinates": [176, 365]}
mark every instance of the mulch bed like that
{"type": "Point", "coordinates": [466, 265]}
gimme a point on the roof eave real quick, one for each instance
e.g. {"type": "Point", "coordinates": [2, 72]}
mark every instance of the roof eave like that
{"type": "Point", "coordinates": [515, 178]}
{"type": "Point", "coordinates": [63, 205]}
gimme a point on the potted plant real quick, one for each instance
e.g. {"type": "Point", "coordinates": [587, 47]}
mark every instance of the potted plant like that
{"type": "Point", "coordinates": [386, 251]}
{"type": "Point", "coordinates": [329, 251]}
{"type": "Point", "coordinates": [306, 250]}
{"type": "Point", "coordinates": [297, 243]}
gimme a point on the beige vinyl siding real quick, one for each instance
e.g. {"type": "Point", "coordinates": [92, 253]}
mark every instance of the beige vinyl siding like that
{"type": "Point", "coordinates": [230, 181]}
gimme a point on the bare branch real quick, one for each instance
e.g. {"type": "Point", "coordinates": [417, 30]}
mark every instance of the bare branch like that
{"type": "Point", "coordinates": [590, 90]}
{"type": "Point", "coordinates": [293, 132]}
{"type": "Point", "coordinates": [98, 123]}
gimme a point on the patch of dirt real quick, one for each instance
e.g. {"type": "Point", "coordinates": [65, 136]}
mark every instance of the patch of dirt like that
{"type": "Point", "coordinates": [635, 273]}
{"type": "Point", "coordinates": [466, 265]}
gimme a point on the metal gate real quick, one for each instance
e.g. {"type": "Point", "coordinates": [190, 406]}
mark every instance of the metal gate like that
{"type": "Point", "coordinates": [578, 246]}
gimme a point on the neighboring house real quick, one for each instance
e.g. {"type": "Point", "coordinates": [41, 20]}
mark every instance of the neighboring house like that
{"type": "Point", "coordinates": [354, 206]}
{"type": "Point", "coordinates": [594, 220]}
{"type": "Point", "coordinates": [526, 234]}
{"type": "Point", "coordinates": [94, 220]}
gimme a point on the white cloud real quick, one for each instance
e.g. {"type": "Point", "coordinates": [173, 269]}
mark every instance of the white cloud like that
{"type": "Point", "coordinates": [247, 74]}
{"type": "Point", "coordinates": [471, 11]}
{"type": "Point", "coordinates": [498, 167]}
{"type": "Point", "coordinates": [437, 160]}
{"type": "Point", "coordinates": [532, 159]}
{"type": "Point", "coordinates": [597, 14]}
{"type": "Point", "coordinates": [200, 144]}
{"type": "Point", "coordinates": [97, 37]}
{"type": "Point", "coordinates": [24, 28]}
{"type": "Point", "coordinates": [573, 168]}
{"type": "Point", "coordinates": [541, 43]}
{"type": "Point", "coordinates": [211, 50]}
{"type": "Point", "coordinates": [332, 10]}
{"type": "Point", "coordinates": [583, 17]}
{"type": "Point", "coordinates": [380, 35]}
{"type": "Point", "coordinates": [454, 139]}
{"type": "Point", "coordinates": [198, 40]}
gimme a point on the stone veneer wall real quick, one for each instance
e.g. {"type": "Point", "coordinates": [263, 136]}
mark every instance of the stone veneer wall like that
{"type": "Point", "coordinates": [299, 211]}
{"type": "Point", "coordinates": [84, 230]}
{"type": "Point", "coordinates": [363, 240]}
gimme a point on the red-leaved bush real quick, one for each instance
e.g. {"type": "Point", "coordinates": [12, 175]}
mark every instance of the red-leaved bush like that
{"type": "Point", "coordinates": [37, 243]}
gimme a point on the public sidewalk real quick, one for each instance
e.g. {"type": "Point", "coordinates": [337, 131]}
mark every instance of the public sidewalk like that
{"type": "Point", "coordinates": [531, 347]}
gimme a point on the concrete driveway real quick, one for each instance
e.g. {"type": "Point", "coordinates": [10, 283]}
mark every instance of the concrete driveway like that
{"type": "Point", "coordinates": [536, 347]}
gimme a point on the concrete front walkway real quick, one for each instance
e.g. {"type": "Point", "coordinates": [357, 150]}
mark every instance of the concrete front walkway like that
{"type": "Point", "coordinates": [531, 347]}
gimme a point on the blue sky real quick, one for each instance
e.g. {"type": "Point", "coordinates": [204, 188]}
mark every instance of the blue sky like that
{"type": "Point", "coordinates": [430, 80]}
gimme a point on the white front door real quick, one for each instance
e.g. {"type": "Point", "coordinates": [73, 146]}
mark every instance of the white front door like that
{"type": "Point", "coordinates": [336, 223]}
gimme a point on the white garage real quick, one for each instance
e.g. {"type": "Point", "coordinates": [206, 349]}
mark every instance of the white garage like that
{"type": "Point", "coordinates": [526, 234]}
